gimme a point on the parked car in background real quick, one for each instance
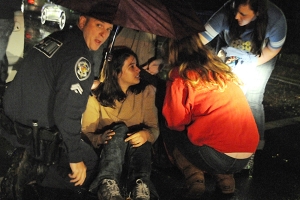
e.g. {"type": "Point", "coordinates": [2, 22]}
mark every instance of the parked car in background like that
{"type": "Point", "coordinates": [33, 6]}
{"type": "Point", "coordinates": [15, 48]}
{"type": "Point", "coordinates": [59, 14]}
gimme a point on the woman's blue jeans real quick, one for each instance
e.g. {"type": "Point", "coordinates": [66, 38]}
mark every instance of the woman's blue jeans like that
{"type": "Point", "coordinates": [204, 157]}
{"type": "Point", "coordinates": [255, 94]}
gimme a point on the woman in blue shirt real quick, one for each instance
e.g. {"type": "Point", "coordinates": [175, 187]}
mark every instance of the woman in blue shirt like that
{"type": "Point", "coordinates": [254, 32]}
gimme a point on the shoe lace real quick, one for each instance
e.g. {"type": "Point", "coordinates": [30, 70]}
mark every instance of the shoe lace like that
{"type": "Point", "coordinates": [142, 191]}
{"type": "Point", "coordinates": [112, 187]}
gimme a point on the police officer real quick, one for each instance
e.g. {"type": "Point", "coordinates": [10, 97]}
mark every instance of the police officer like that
{"type": "Point", "coordinates": [52, 88]}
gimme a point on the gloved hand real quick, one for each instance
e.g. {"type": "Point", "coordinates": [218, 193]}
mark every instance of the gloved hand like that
{"type": "Point", "coordinates": [236, 57]}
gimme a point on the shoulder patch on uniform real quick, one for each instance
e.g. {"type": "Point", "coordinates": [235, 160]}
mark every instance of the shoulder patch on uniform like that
{"type": "Point", "coordinates": [48, 46]}
{"type": "Point", "coordinates": [82, 69]}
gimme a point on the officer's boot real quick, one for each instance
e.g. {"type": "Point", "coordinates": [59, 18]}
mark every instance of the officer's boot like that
{"type": "Point", "coordinates": [110, 165]}
{"type": "Point", "coordinates": [194, 177]}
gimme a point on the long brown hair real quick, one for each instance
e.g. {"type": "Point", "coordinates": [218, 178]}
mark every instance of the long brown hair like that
{"type": "Point", "coordinates": [109, 90]}
{"type": "Point", "coordinates": [198, 65]}
{"type": "Point", "coordinates": [259, 7]}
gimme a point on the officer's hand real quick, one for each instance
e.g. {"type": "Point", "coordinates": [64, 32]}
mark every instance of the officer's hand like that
{"type": "Point", "coordinates": [78, 173]}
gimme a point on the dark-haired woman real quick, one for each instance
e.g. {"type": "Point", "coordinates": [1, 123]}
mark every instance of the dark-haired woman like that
{"type": "Point", "coordinates": [213, 126]}
{"type": "Point", "coordinates": [122, 97]}
{"type": "Point", "coordinates": [254, 32]}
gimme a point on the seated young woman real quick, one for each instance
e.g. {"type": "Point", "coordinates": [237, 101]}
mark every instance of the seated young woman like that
{"type": "Point", "coordinates": [121, 116]}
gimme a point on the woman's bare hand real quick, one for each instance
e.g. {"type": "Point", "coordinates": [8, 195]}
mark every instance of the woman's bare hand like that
{"type": "Point", "coordinates": [106, 136]}
{"type": "Point", "coordinates": [139, 138]}
{"type": "Point", "coordinates": [97, 139]}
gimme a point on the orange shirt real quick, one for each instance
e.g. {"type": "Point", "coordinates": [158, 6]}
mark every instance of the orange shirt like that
{"type": "Point", "coordinates": [221, 120]}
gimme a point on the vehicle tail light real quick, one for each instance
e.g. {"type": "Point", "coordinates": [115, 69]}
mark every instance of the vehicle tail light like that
{"type": "Point", "coordinates": [30, 1]}
{"type": "Point", "coordinates": [28, 35]}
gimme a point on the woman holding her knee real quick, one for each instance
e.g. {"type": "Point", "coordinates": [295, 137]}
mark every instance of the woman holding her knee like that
{"type": "Point", "coordinates": [122, 99]}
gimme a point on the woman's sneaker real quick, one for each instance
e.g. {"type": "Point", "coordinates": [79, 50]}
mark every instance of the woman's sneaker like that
{"type": "Point", "coordinates": [109, 190]}
{"type": "Point", "coordinates": [141, 191]}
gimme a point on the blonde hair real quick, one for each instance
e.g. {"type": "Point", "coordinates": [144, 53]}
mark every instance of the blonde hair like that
{"type": "Point", "coordinates": [198, 65]}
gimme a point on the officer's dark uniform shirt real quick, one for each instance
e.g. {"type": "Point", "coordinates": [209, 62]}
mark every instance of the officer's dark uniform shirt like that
{"type": "Point", "coordinates": [52, 86]}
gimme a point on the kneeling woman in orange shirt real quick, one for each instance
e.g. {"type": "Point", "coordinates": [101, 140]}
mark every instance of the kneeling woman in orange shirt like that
{"type": "Point", "coordinates": [213, 127]}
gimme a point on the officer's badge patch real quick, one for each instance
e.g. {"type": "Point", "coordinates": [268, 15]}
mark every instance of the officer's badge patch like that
{"type": "Point", "coordinates": [83, 69]}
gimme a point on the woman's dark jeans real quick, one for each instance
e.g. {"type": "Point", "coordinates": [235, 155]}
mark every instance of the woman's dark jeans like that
{"type": "Point", "coordinates": [204, 157]}
{"type": "Point", "coordinates": [117, 152]}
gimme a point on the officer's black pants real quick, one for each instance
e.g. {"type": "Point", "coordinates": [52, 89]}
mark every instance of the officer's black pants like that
{"type": "Point", "coordinates": [57, 175]}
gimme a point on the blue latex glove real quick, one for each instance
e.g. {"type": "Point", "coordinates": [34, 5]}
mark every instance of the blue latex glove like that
{"type": "Point", "coordinates": [236, 57]}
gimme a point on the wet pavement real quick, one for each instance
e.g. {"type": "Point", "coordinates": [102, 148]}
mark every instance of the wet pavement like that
{"type": "Point", "coordinates": [276, 168]}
